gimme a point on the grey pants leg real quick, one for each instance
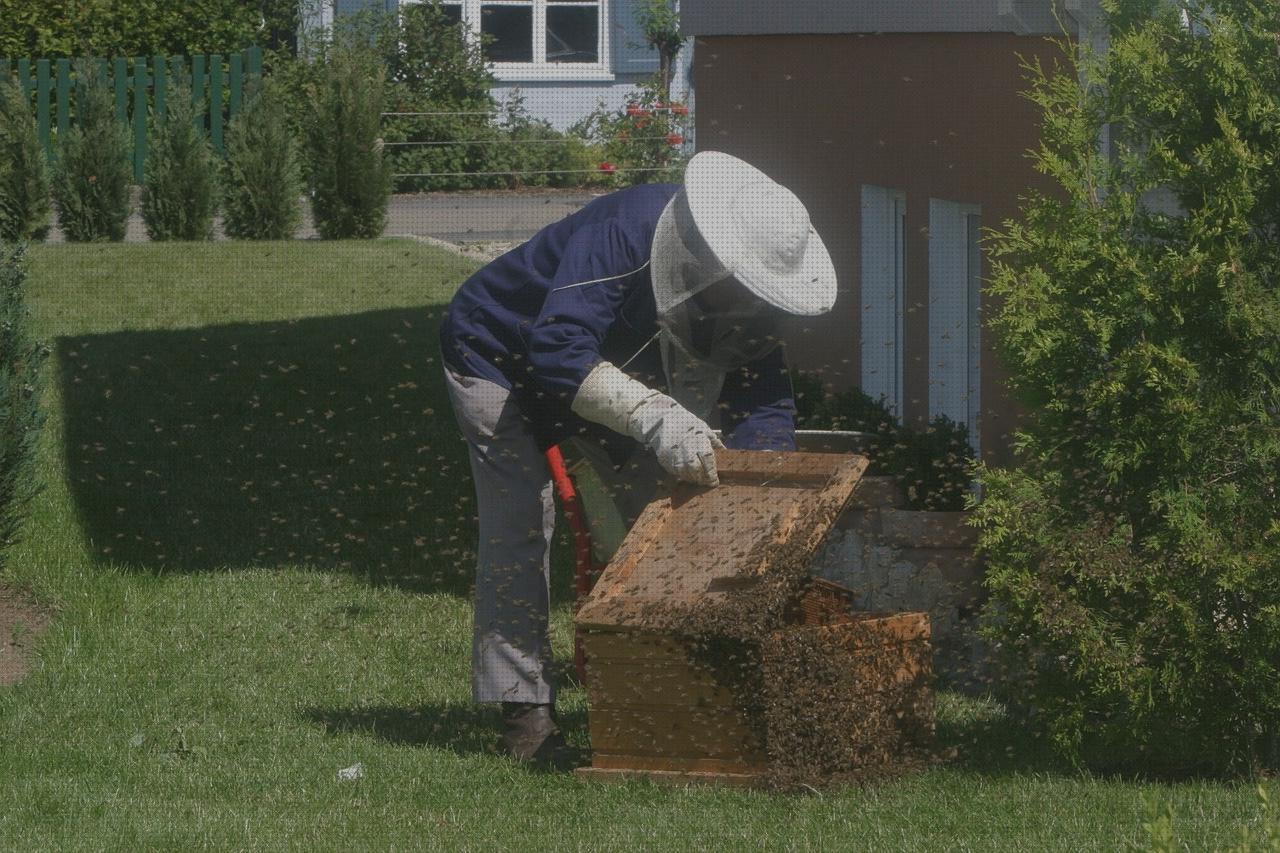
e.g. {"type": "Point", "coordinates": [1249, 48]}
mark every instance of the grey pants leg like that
{"type": "Point", "coordinates": [511, 649]}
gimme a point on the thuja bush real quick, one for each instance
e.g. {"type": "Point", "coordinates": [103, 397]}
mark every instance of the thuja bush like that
{"type": "Point", "coordinates": [1134, 556]}
{"type": "Point", "coordinates": [179, 192]}
{"type": "Point", "coordinates": [931, 464]}
{"type": "Point", "coordinates": [24, 177]}
{"type": "Point", "coordinates": [261, 176]}
{"type": "Point", "coordinates": [93, 174]}
{"type": "Point", "coordinates": [21, 418]}
{"type": "Point", "coordinates": [350, 180]}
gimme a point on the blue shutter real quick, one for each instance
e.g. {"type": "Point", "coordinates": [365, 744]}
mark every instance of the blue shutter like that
{"type": "Point", "coordinates": [630, 53]}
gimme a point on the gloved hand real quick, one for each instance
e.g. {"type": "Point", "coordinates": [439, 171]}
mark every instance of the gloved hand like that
{"type": "Point", "coordinates": [685, 446]}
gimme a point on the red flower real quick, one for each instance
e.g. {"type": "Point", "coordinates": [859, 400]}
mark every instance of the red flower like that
{"type": "Point", "coordinates": [608, 168]}
{"type": "Point", "coordinates": [675, 139]}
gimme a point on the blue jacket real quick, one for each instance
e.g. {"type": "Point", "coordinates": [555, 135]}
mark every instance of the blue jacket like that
{"type": "Point", "coordinates": [539, 318]}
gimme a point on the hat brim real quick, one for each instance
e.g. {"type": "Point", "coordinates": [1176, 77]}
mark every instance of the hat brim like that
{"type": "Point", "coordinates": [712, 178]}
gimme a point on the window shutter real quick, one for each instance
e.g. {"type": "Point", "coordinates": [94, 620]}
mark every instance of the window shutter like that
{"type": "Point", "coordinates": [630, 53]}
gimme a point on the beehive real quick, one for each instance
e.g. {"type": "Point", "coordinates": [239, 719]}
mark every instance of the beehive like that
{"type": "Point", "coordinates": [662, 709]}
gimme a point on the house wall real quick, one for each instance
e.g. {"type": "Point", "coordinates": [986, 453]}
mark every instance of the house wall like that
{"type": "Point", "coordinates": [936, 115]}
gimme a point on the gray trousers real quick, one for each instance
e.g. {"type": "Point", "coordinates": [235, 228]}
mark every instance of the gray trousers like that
{"type": "Point", "coordinates": [510, 646]}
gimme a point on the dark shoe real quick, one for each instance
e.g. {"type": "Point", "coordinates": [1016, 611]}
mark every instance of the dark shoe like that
{"type": "Point", "coordinates": [530, 734]}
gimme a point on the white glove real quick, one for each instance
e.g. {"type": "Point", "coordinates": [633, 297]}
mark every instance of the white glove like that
{"type": "Point", "coordinates": [685, 446]}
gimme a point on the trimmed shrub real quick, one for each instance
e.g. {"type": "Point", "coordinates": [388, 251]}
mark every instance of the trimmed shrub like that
{"type": "Point", "coordinates": [21, 419]}
{"type": "Point", "coordinates": [261, 176]}
{"type": "Point", "coordinates": [1133, 558]}
{"type": "Point", "coordinates": [24, 176]}
{"type": "Point", "coordinates": [155, 27]}
{"type": "Point", "coordinates": [933, 465]}
{"type": "Point", "coordinates": [93, 174]}
{"type": "Point", "coordinates": [178, 190]}
{"type": "Point", "coordinates": [350, 180]}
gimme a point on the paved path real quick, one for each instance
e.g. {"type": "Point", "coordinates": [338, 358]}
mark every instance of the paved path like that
{"type": "Point", "coordinates": [481, 218]}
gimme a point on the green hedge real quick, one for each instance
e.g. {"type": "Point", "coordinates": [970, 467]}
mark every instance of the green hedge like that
{"type": "Point", "coordinates": [61, 28]}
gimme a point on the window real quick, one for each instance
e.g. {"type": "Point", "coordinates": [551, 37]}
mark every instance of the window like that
{"type": "Point", "coordinates": [955, 347]}
{"type": "Point", "coordinates": [561, 37]}
{"type": "Point", "coordinates": [883, 278]}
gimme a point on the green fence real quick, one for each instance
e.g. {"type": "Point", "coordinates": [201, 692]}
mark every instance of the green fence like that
{"type": "Point", "coordinates": [140, 83]}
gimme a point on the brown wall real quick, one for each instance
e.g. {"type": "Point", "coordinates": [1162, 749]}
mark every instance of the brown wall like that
{"type": "Point", "coordinates": [934, 115]}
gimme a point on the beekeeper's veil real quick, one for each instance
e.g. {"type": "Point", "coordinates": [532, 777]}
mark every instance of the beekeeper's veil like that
{"type": "Point", "coordinates": [731, 221]}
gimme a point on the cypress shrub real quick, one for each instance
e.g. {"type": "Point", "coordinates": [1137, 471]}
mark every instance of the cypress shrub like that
{"type": "Point", "coordinates": [93, 173]}
{"type": "Point", "coordinates": [350, 179]}
{"type": "Point", "coordinates": [21, 360]}
{"type": "Point", "coordinates": [24, 176]}
{"type": "Point", "coordinates": [1132, 558]}
{"type": "Point", "coordinates": [179, 193]}
{"type": "Point", "coordinates": [261, 176]}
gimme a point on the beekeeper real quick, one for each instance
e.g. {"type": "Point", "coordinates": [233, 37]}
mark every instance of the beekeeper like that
{"type": "Point", "coordinates": [632, 327]}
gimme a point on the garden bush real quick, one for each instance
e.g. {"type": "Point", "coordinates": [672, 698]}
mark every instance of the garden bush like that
{"type": "Point", "coordinates": [92, 175]}
{"type": "Point", "coordinates": [24, 177]}
{"type": "Point", "coordinates": [155, 27]}
{"type": "Point", "coordinates": [932, 465]}
{"type": "Point", "coordinates": [21, 418]}
{"type": "Point", "coordinates": [350, 180]}
{"type": "Point", "coordinates": [261, 176]}
{"type": "Point", "coordinates": [642, 142]}
{"type": "Point", "coordinates": [179, 193]}
{"type": "Point", "coordinates": [1134, 557]}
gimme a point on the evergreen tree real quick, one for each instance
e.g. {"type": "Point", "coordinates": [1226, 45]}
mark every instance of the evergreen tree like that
{"type": "Point", "coordinates": [261, 177]}
{"type": "Point", "coordinates": [1134, 556]}
{"type": "Point", "coordinates": [93, 174]}
{"type": "Point", "coordinates": [179, 190]}
{"type": "Point", "coordinates": [24, 177]}
{"type": "Point", "coordinates": [21, 361]}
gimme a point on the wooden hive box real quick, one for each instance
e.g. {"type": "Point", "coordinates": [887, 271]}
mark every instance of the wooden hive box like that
{"type": "Point", "coordinates": [659, 708]}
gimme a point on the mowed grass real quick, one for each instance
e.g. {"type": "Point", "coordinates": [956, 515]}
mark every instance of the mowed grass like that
{"type": "Point", "coordinates": [256, 531]}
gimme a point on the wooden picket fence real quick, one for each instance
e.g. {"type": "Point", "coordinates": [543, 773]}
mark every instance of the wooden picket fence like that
{"type": "Point", "coordinates": [217, 88]}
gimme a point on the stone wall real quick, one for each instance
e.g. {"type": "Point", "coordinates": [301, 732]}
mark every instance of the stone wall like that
{"type": "Point", "coordinates": [895, 560]}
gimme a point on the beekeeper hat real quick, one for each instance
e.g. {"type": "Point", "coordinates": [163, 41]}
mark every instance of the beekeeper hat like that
{"type": "Point", "coordinates": [760, 232]}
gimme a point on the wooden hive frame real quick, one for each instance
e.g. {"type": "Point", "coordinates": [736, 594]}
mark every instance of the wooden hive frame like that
{"type": "Point", "coordinates": [658, 711]}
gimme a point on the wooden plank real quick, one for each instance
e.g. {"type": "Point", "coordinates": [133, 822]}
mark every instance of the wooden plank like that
{"type": "Point", "coordinates": [197, 91]}
{"type": "Point", "coordinates": [664, 731]}
{"type": "Point", "coordinates": [670, 777]}
{"type": "Point", "coordinates": [120, 79]}
{"type": "Point", "coordinates": [690, 547]}
{"type": "Point", "coordinates": [42, 106]}
{"type": "Point", "coordinates": [140, 82]}
{"type": "Point", "coordinates": [645, 646]}
{"type": "Point", "coordinates": [236, 83]}
{"type": "Point", "coordinates": [824, 602]}
{"type": "Point", "coordinates": [614, 761]}
{"type": "Point", "coordinates": [215, 101]}
{"type": "Point", "coordinates": [24, 76]}
{"type": "Point", "coordinates": [64, 97]}
{"type": "Point", "coordinates": [160, 84]}
{"type": "Point", "coordinates": [628, 683]}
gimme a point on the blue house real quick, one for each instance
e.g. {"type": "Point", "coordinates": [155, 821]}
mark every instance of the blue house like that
{"type": "Point", "coordinates": [566, 57]}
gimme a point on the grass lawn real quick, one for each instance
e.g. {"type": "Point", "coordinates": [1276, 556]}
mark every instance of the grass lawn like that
{"type": "Point", "coordinates": [256, 531]}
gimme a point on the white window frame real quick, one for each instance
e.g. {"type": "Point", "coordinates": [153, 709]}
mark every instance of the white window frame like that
{"type": "Point", "coordinates": [955, 324]}
{"type": "Point", "coordinates": [540, 69]}
{"type": "Point", "coordinates": [883, 293]}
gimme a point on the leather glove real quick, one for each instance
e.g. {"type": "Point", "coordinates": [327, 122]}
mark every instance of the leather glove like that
{"type": "Point", "coordinates": [684, 444]}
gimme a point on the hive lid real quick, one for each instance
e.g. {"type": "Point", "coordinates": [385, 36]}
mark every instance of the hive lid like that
{"type": "Point", "coordinates": [698, 544]}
